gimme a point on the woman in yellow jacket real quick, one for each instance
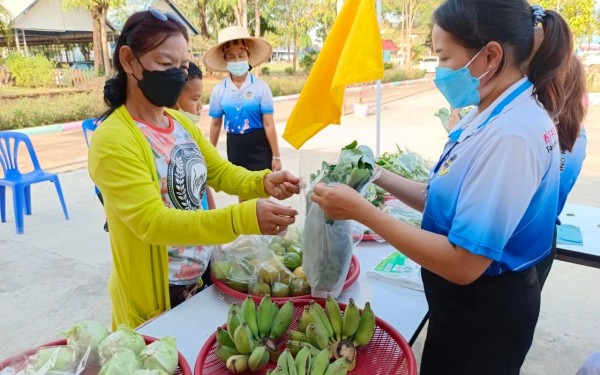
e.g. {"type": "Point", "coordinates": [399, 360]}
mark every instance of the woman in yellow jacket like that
{"type": "Point", "coordinates": [153, 165]}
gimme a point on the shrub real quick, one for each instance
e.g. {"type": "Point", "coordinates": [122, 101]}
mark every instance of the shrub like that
{"type": "Point", "coordinates": [308, 60]}
{"type": "Point", "coordinates": [388, 65]}
{"type": "Point", "coordinates": [289, 71]}
{"type": "Point", "coordinates": [44, 110]}
{"type": "Point", "coordinates": [265, 71]}
{"type": "Point", "coordinates": [394, 75]}
{"type": "Point", "coordinates": [33, 71]}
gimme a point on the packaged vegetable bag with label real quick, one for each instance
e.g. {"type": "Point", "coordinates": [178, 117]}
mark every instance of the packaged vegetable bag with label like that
{"type": "Point", "coordinates": [328, 244]}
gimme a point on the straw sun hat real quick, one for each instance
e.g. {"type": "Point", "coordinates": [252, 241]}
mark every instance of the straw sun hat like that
{"type": "Point", "coordinates": [259, 50]}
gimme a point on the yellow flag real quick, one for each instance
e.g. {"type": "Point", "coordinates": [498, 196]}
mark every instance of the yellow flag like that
{"type": "Point", "coordinates": [351, 53]}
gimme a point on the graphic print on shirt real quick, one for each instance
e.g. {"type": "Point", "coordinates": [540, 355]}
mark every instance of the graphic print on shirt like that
{"type": "Point", "coordinates": [186, 177]}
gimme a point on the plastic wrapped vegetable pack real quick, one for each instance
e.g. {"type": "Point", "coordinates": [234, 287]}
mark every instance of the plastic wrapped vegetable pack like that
{"type": "Point", "coordinates": [328, 244]}
{"type": "Point", "coordinates": [92, 350]}
{"type": "Point", "coordinates": [261, 265]}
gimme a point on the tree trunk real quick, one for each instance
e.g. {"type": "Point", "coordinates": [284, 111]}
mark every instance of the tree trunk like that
{"type": "Point", "coordinates": [257, 18]}
{"type": "Point", "coordinates": [104, 42]}
{"type": "Point", "coordinates": [98, 61]}
{"type": "Point", "coordinates": [295, 58]}
{"type": "Point", "coordinates": [244, 12]}
{"type": "Point", "coordinates": [203, 24]}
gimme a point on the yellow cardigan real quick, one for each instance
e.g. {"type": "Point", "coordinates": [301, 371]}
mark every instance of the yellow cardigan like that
{"type": "Point", "coordinates": [122, 165]}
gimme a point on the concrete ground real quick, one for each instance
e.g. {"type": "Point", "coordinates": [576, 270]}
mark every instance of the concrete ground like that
{"type": "Point", "coordinates": [56, 273]}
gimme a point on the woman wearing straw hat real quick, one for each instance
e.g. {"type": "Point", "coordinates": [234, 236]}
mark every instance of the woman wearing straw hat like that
{"type": "Point", "coordinates": [244, 100]}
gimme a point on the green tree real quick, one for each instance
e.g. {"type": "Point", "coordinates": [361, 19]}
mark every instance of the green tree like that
{"type": "Point", "coordinates": [324, 12]}
{"type": "Point", "coordinates": [32, 71]}
{"type": "Point", "coordinates": [581, 15]}
{"type": "Point", "coordinates": [99, 11]}
{"type": "Point", "coordinates": [5, 22]}
{"type": "Point", "coordinates": [292, 19]}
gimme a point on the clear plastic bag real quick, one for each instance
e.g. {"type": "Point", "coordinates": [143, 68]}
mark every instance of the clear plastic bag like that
{"type": "Point", "coordinates": [401, 211]}
{"type": "Point", "coordinates": [327, 253]}
{"type": "Point", "coordinates": [50, 360]}
{"type": "Point", "coordinates": [328, 244]}
{"type": "Point", "coordinates": [257, 265]}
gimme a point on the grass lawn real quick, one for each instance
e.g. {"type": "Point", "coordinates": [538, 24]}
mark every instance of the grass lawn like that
{"type": "Point", "coordinates": [13, 90]}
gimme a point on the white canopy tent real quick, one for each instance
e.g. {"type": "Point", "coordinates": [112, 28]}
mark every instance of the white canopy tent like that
{"type": "Point", "coordinates": [45, 22]}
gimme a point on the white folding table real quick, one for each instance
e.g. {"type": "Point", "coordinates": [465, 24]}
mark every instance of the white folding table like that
{"type": "Point", "coordinates": [588, 220]}
{"type": "Point", "coordinates": [192, 322]}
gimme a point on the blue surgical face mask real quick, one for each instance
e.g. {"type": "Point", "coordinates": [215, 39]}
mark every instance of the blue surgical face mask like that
{"type": "Point", "coordinates": [459, 87]}
{"type": "Point", "coordinates": [238, 68]}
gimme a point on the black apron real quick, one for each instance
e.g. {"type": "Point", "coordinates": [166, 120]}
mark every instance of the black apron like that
{"type": "Point", "coordinates": [485, 327]}
{"type": "Point", "coordinates": [250, 150]}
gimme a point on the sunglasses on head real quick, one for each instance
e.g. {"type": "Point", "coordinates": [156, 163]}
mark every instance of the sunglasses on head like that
{"type": "Point", "coordinates": [164, 16]}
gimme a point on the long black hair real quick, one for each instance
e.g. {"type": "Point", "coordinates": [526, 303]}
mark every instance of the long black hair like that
{"type": "Point", "coordinates": [142, 33]}
{"type": "Point", "coordinates": [475, 23]}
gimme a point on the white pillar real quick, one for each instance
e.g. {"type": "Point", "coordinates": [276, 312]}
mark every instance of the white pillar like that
{"type": "Point", "coordinates": [378, 93]}
{"type": "Point", "coordinates": [17, 40]}
{"type": "Point", "coordinates": [25, 44]}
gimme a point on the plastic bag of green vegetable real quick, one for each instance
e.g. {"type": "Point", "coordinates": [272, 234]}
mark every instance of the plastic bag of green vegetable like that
{"type": "Point", "coordinates": [328, 244]}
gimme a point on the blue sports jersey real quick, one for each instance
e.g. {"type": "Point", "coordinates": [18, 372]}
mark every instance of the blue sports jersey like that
{"type": "Point", "coordinates": [243, 108]}
{"type": "Point", "coordinates": [570, 166]}
{"type": "Point", "coordinates": [495, 190]}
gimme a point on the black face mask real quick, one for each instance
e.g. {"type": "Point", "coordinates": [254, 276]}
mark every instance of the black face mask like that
{"type": "Point", "coordinates": [162, 87]}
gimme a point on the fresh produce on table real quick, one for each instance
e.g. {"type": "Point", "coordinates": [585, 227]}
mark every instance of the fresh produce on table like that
{"type": "Point", "coordinates": [261, 265]}
{"type": "Point", "coordinates": [444, 115]}
{"type": "Point", "coordinates": [248, 341]}
{"type": "Point", "coordinates": [306, 363]}
{"type": "Point", "coordinates": [91, 347]}
{"type": "Point", "coordinates": [328, 248]}
{"type": "Point", "coordinates": [327, 329]}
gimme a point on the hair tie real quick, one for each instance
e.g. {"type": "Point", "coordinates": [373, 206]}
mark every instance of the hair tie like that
{"type": "Point", "coordinates": [538, 14]}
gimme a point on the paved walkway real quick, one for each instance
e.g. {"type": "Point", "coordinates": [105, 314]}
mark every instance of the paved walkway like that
{"type": "Point", "coordinates": [56, 274]}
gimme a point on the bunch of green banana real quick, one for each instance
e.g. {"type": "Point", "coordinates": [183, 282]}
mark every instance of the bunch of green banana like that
{"type": "Point", "coordinates": [249, 338]}
{"type": "Point", "coordinates": [308, 364]}
{"type": "Point", "coordinates": [327, 328]}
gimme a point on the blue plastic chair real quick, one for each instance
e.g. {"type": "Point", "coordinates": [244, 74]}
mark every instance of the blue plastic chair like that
{"type": "Point", "coordinates": [88, 125]}
{"type": "Point", "coordinates": [21, 183]}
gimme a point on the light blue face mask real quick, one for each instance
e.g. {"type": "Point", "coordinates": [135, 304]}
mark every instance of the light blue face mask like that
{"type": "Point", "coordinates": [459, 87]}
{"type": "Point", "coordinates": [238, 68]}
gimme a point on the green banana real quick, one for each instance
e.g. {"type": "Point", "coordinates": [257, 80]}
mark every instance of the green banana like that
{"type": "Point", "coordinates": [351, 320]}
{"type": "Point", "coordinates": [317, 336]}
{"type": "Point", "coordinates": [294, 346]}
{"type": "Point", "coordinates": [275, 310]}
{"type": "Point", "coordinates": [320, 362]}
{"type": "Point", "coordinates": [298, 344]}
{"type": "Point", "coordinates": [320, 317]}
{"type": "Point", "coordinates": [291, 364]}
{"type": "Point", "coordinates": [278, 371]}
{"type": "Point", "coordinates": [305, 319]}
{"type": "Point", "coordinates": [248, 311]}
{"type": "Point", "coordinates": [282, 321]}
{"type": "Point", "coordinates": [335, 316]}
{"type": "Point", "coordinates": [259, 358]}
{"type": "Point", "coordinates": [302, 361]}
{"type": "Point", "coordinates": [233, 322]}
{"type": "Point", "coordinates": [338, 367]}
{"type": "Point", "coordinates": [265, 316]}
{"type": "Point", "coordinates": [366, 327]}
{"type": "Point", "coordinates": [224, 338]}
{"type": "Point", "coordinates": [282, 361]}
{"type": "Point", "coordinates": [244, 343]}
{"type": "Point", "coordinates": [237, 363]}
{"type": "Point", "coordinates": [224, 352]}
{"type": "Point", "coordinates": [297, 335]}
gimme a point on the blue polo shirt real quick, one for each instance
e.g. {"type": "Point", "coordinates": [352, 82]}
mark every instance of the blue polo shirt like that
{"type": "Point", "coordinates": [570, 166]}
{"type": "Point", "coordinates": [495, 189]}
{"type": "Point", "coordinates": [243, 108]}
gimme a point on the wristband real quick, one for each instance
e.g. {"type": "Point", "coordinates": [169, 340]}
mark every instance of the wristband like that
{"type": "Point", "coordinates": [276, 158]}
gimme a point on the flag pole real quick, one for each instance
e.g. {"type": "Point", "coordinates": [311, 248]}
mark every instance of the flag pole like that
{"type": "Point", "coordinates": [378, 93]}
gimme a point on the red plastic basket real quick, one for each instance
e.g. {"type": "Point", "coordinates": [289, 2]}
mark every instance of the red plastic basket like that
{"type": "Point", "coordinates": [18, 361]}
{"type": "Point", "coordinates": [387, 353]}
{"type": "Point", "coordinates": [353, 274]}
